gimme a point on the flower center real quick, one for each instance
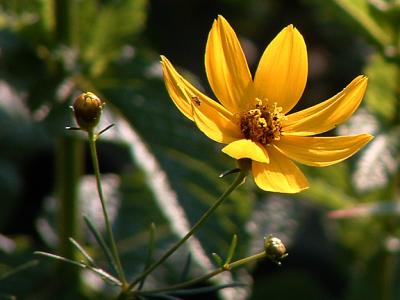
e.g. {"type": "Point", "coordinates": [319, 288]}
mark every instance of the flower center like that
{"type": "Point", "coordinates": [263, 123]}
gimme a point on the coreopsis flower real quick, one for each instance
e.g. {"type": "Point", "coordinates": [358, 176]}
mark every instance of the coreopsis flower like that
{"type": "Point", "coordinates": [253, 114]}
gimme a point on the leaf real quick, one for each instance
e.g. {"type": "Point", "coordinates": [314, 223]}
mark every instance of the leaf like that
{"type": "Point", "coordinates": [218, 260]}
{"type": "Point", "coordinates": [107, 31]}
{"type": "Point", "coordinates": [381, 96]}
{"type": "Point", "coordinates": [82, 251]}
{"type": "Point", "coordinates": [359, 11]}
{"type": "Point", "coordinates": [104, 275]}
{"type": "Point", "coordinates": [231, 250]}
{"type": "Point", "coordinates": [100, 240]}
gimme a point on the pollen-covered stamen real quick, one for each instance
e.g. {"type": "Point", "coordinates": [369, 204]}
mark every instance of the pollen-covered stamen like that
{"type": "Point", "coordinates": [263, 123]}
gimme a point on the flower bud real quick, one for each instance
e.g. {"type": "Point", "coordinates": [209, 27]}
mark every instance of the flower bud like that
{"type": "Point", "coordinates": [274, 249]}
{"type": "Point", "coordinates": [87, 109]}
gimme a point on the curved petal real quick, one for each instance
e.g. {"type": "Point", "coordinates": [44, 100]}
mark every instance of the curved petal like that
{"type": "Point", "coordinates": [184, 94]}
{"type": "Point", "coordinates": [282, 72]}
{"type": "Point", "coordinates": [226, 66]}
{"type": "Point", "coordinates": [172, 82]}
{"type": "Point", "coordinates": [321, 151]}
{"type": "Point", "coordinates": [280, 175]}
{"type": "Point", "coordinates": [247, 149]}
{"type": "Point", "coordinates": [326, 115]}
{"type": "Point", "coordinates": [213, 123]}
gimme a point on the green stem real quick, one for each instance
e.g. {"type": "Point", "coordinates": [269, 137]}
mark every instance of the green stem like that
{"type": "Point", "coordinates": [114, 250]}
{"type": "Point", "coordinates": [63, 14]}
{"type": "Point", "coordinates": [68, 169]}
{"type": "Point", "coordinates": [238, 180]}
{"type": "Point", "coordinates": [207, 276]}
{"type": "Point", "coordinates": [389, 264]}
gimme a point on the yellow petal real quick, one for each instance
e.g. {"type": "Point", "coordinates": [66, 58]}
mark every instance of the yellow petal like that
{"type": "Point", "coordinates": [247, 149]}
{"type": "Point", "coordinates": [326, 115]}
{"type": "Point", "coordinates": [214, 124]}
{"type": "Point", "coordinates": [282, 72]}
{"type": "Point", "coordinates": [184, 94]}
{"type": "Point", "coordinates": [321, 151]}
{"type": "Point", "coordinates": [280, 175]}
{"type": "Point", "coordinates": [174, 84]}
{"type": "Point", "coordinates": [226, 66]}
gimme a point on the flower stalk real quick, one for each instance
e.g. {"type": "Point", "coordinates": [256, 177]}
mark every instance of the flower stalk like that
{"type": "Point", "coordinates": [118, 266]}
{"type": "Point", "coordinates": [237, 182]}
{"type": "Point", "coordinates": [226, 267]}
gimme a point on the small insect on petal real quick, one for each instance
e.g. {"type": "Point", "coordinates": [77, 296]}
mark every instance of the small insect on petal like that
{"type": "Point", "coordinates": [196, 100]}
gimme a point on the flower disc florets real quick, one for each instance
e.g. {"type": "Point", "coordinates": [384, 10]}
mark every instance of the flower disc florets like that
{"type": "Point", "coordinates": [263, 123]}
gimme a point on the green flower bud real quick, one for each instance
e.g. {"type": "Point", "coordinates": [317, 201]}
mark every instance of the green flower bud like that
{"type": "Point", "coordinates": [87, 109]}
{"type": "Point", "coordinates": [274, 249]}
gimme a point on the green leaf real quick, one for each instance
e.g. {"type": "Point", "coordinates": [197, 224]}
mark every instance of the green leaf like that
{"type": "Point", "coordinates": [359, 10]}
{"type": "Point", "coordinates": [108, 29]}
{"type": "Point", "coordinates": [82, 251]}
{"type": "Point", "coordinates": [103, 274]}
{"type": "Point", "coordinates": [218, 260]}
{"type": "Point", "coordinates": [382, 84]}
{"type": "Point", "coordinates": [101, 242]}
{"type": "Point", "coordinates": [231, 250]}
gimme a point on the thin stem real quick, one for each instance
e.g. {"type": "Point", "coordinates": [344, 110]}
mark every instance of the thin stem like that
{"type": "Point", "coordinates": [93, 152]}
{"type": "Point", "coordinates": [238, 180]}
{"type": "Point", "coordinates": [209, 275]}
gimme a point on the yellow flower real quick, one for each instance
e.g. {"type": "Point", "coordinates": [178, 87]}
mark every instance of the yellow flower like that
{"type": "Point", "coordinates": [252, 116]}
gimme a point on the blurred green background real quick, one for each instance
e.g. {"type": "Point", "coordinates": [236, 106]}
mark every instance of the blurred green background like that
{"type": "Point", "coordinates": [342, 234]}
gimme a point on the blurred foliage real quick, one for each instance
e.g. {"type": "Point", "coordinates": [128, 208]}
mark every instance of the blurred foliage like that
{"type": "Point", "coordinates": [158, 168]}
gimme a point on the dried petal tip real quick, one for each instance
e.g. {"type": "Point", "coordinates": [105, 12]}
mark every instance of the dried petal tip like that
{"type": "Point", "coordinates": [274, 249]}
{"type": "Point", "coordinates": [87, 109]}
